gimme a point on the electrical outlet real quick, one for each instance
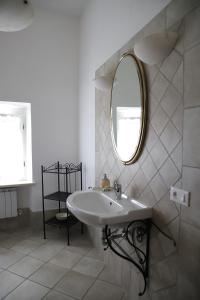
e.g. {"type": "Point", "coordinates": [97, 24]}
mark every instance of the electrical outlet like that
{"type": "Point", "coordinates": [180, 196]}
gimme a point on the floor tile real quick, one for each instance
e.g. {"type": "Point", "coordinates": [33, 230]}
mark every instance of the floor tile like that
{"type": "Point", "coordinates": [38, 239]}
{"type": "Point", "coordinates": [78, 249]}
{"type": "Point", "coordinates": [47, 251]}
{"type": "Point", "coordinates": [8, 282]}
{"type": "Point", "coordinates": [82, 241]}
{"type": "Point", "coordinates": [4, 236]}
{"type": "Point", "coordinates": [104, 291]}
{"type": "Point", "coordinates": [26, 266]}
{"type": "Point", "coordinates": [107, 275]}
{"type": "Point", "coordinates": [66, 259]}
{"type": "Point", "coordinates": [67, 284]}
{"type": "Point", "coordinates": [94, 253]}
{"type": "Point", "coordinates": [75, 284]}
{"type": "Point", "coordinates": [28, 291]}
{"type": "Point", "coordinates": [9, 242]}
{"type": "Point", "coordinates": [9, 257]}
{"type": "Point", "coordinates": [89, 266]}
{"type": "Point", "coordinates": [58, 296]}
{"type": "Point", "coordinates": [25, 246]}
{"type": "Point", "coordinates": [22, 234]}
{"type": "Point", "coordinates": [48, 275]}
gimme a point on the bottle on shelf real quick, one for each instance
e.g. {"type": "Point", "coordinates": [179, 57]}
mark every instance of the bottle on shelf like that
{"type": "Point", "coordinates": [105, 182]}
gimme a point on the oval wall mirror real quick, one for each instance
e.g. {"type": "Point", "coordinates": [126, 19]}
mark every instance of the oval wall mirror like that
{"type": "Point", "coordinates": [128, 109]}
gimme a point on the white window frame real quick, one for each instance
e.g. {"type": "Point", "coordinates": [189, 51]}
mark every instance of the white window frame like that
{"type": "Point", "coordinates": [23, 111]}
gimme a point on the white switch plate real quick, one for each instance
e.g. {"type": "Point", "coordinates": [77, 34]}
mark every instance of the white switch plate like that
{"type": "Point", "coordinates": [180, 196]}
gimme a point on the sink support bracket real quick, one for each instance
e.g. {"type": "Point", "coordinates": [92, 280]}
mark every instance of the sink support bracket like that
{"type": "Point", "coordinates": [137, 234]}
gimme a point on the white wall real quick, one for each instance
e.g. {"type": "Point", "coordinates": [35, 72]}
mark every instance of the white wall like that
{"type": "Point", "coordinates": [105, 27]}
{"type": "Point", "coordinates": [40, 65]}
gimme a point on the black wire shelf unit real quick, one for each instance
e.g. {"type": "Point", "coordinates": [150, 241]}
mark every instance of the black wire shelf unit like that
{"type": "Point", "coordinates": [69, 176]}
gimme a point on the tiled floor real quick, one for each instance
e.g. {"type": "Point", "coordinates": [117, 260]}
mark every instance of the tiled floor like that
{"type": "Point", "coordinates": [33, 268]}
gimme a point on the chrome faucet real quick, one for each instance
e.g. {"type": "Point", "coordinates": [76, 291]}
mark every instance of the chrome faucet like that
{"type": "Point", "coordinates": [118, 189]}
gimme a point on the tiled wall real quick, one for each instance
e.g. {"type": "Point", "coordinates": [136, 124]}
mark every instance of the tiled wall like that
{"type": "Point", "coordinates": [171, 156]}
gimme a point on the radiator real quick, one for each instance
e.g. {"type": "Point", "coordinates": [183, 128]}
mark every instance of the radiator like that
{"type": "Point", "coordinates": [8, 203]}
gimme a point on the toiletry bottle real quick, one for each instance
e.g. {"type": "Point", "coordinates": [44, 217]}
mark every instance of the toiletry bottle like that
{"type": "Point", "coordinates": [105, 182]}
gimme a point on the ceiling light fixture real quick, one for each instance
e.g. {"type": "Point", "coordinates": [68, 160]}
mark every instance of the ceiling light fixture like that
{"type": "Point", "coordinates": [104, 83]}
{"type": "Point", "coordinates": [15, 15]}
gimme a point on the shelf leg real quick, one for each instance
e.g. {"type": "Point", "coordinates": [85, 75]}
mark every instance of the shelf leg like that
{"type": "Point", "coordinates": [44, 227]}
{"type": "Point", "coordinates": [82, 228]}
{"type": "Point", "coordinates": [68, 243]}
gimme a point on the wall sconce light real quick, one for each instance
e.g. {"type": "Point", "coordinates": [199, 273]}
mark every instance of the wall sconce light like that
{"type": "Point", "coordinates": [15, 15]}
{"type": "Point", "coordinates": [154, 48]}
{"type": "Point", "coordinates": [104, 83]}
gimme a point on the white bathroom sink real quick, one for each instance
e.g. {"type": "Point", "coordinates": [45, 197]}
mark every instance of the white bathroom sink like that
{"type": "Point", "coordinates": [100, 208]}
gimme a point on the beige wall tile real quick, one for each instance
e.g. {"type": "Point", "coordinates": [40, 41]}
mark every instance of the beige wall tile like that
{"type": "Point", "coordinates": [176, 156]}
{"type": "Point", "coordinates": [149, 168]}
{"type": "Point", "coordinates": [189, 264]}
{"type": "Point", "coordinates": [178, 79]}
{"type": "Point", "coordinates": [161, 162]}
{"type": "Point", "coordinates": [169, 173]}
{"type": "Point", "coordinates": [191, 137]}
{"type": "Point", "coordinates": [159, 86]}
{"type": "Point", "coordinates": [171, 100]}
{"type": "Point", "coordinates": [171, 64]}
{"type": "Point", "coordinates": [159, 120]}
{"type": "Point", "coordinates": [178, 9]}
{"type": "Point", "coordinates": [156, 25]}
{"type": "Point", "coordinates": [170, 137]}
{"type": "Point", "coordinates": [165, 294]}
{"type": "Point", "coordinates": [159, 154]}
{"type": "Point", "coordinates": [151, 138]}
{"type": "Point", "coordinates": [192, 33]}
{"type": "Point", "coordinates": [186, 288]}
{"type": "Point", "coordinates": [191, 77]}
{"type": "Point", "coordinates": [147, 197]}
{"type": "Point", "coordinates": [191, 183]}
{"type": "Point", "coordinates": [177, 118]}
{"type": "Point", "coordinates": [166, 210]}
{"type": "Point", "coordinates": [158, 187]}
{"type": "Point", "coordinates": [138, 184]}
{"type": "Point", "coordinates": [163, 274]}
{"type": "Point", "coordinates": [172, 229]}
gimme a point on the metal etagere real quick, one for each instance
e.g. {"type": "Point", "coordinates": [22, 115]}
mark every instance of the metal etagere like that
{"type": "Point", "coordinates": [71, 177]}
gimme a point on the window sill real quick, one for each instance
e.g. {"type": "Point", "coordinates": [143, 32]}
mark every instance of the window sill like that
{"type": "Point", "coordinates": [16, 184]}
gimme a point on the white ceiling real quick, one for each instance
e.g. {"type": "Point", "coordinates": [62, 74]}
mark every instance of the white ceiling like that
{"type": "Point", "coordinates": [67, 7]}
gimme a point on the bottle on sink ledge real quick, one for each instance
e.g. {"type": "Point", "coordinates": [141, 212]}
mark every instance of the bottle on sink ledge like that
{"type": "Point", "coordinates": [105, 182]}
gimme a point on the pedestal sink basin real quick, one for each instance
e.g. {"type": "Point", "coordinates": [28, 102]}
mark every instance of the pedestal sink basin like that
{"type": "Point", "coordinates": [101, 208]}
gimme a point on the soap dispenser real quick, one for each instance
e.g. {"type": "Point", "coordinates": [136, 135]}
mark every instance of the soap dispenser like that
{"type": "Point", "coordinates": [105, 182]}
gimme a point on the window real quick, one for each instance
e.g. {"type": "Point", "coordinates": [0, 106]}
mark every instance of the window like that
{"type": "Point", "coordinates": [16, 144]}
{"type": "Point", "coordinates": [128, 129]}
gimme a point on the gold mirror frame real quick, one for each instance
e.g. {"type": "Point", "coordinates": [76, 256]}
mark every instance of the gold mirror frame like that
{"type": "Point", "coordinates": [144, 105]}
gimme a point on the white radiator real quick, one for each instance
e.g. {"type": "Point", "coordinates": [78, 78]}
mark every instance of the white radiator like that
{"type": "Point", "coordinates": [8, 203]}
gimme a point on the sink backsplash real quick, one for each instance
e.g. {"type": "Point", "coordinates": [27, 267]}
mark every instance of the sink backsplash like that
{"type": "Point", "coordinates": [171, 132]}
